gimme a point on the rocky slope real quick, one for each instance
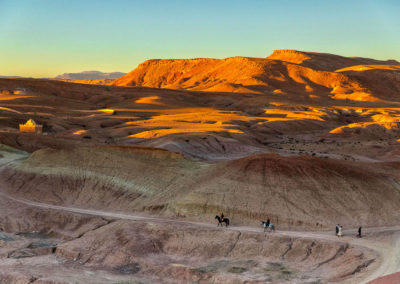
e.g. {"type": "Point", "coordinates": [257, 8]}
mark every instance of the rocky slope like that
{"type": "Point", "coordinates": [59, 247]}
{"type": "Point", "coordinates": [296, 192]}
{"type": "Point", "coordinates": [42, 244]}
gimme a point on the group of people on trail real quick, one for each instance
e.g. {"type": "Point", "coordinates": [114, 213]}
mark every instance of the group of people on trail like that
{"type": "Point", "coordinates": [339, 231]}
{"type": "Point", "coordinates": [267, 224]}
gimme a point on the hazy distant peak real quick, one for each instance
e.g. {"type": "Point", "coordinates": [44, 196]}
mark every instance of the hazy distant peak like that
{"type": "Point", "coordinates": [90, 75]}
{"type": "Point", "coordinates": [10, 77]}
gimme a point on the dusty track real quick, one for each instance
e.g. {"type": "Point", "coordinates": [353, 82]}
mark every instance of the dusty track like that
{"type": "Point", "coordinates": [389, 259]}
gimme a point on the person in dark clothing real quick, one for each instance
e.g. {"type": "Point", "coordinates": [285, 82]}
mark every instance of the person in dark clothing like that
{"type": "Point", "coordinates": [359, 233]}
{"type": "Point", "coordinates": [337, 229]}
{"type": "Point", "coordinates": [267, 223]}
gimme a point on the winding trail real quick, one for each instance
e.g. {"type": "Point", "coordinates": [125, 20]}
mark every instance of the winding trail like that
{"type": "Point", "coordinates": [388, 252]}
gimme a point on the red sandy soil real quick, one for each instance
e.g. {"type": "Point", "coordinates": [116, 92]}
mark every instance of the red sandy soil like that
{"type": "Point", "coordinates": [389, 279]}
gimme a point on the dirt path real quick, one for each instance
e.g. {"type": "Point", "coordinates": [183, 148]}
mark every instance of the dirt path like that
{"type": "Point", "coordinates": [389, 262]}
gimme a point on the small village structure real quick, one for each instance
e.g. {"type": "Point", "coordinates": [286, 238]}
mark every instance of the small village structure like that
{"type": "Point", "coordinates": [31, 126]}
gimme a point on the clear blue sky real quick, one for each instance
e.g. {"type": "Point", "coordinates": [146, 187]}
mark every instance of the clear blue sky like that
{"type": "Point", "coordinates": [42, 38]}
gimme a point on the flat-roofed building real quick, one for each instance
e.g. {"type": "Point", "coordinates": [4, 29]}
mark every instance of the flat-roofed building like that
{"type": "Point", "coordinates": [31, 126]}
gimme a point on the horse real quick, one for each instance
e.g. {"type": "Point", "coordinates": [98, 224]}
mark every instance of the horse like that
{"type": "Point", "coordinates": [226, 221]}
{"type": "Point", "coordinates": [271, 227]}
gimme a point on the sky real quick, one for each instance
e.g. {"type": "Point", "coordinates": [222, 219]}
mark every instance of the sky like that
{"type": "Point", "coordinates": [44, 38]}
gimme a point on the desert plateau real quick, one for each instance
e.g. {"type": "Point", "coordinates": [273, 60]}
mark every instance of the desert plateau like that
{"type": "Point", "coordinates": [125, 177]}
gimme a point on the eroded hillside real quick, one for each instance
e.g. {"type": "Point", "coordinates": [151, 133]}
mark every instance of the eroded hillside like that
{"type": "Point", "coordinates": [291, 190]}
{"type": "Point", "coordinates": [202, 125]}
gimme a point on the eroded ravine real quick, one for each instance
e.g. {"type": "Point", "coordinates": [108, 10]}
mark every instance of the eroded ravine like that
{"type": "Point", "coordinates": [380, 258]}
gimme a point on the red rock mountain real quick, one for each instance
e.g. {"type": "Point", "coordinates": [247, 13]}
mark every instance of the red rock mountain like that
{"type": "Point", "coordinates": [285, 72]}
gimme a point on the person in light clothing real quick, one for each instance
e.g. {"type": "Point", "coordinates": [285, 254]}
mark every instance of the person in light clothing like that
{"type": "Point", "coordinates": [340, 232]}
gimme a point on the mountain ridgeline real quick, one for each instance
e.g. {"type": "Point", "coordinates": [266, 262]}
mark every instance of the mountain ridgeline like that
{"type": "Point", "coordinates": [285, 72]}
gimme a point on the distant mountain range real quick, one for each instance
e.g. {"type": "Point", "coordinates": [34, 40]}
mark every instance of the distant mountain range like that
{"type": "Point", "coordinates": [90, 75]}
{"type": "Point", "coordinates": [10, 77]}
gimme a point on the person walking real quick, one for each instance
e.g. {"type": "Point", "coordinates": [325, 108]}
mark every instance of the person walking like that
{"type": "Point", "coordinates": [339, 231]}
{"type": "Point", "coordinates": [359, 232]}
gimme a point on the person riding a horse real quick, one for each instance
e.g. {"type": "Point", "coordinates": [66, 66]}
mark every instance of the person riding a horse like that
{"type": "Point", "coordinates": [222, 219]}
{"type": "Point", "coordinates": [268, 225]}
